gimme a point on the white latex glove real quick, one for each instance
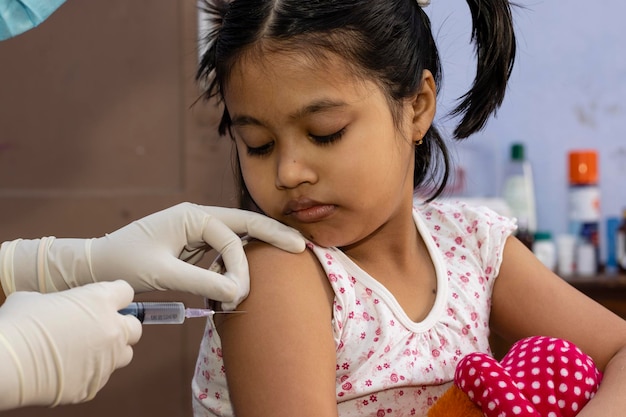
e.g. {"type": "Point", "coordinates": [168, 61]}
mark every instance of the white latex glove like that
{"type": "Point", "coordinates": [61, 348]}
{"type": "Point", "coordinates": [153, 253]}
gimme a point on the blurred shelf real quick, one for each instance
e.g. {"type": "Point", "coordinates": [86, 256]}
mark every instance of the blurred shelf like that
{"type": "Point", "coordinates": [605, 286]}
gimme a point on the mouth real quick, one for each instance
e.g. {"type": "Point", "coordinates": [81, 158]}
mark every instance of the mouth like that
{"type": "Point", "coordinates": [308, 211]}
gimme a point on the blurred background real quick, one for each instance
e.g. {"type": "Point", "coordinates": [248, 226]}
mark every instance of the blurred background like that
{"type": "Point", "coordinates": [566, 93]}
{"type": "Point", "coordinates": [99, 127]}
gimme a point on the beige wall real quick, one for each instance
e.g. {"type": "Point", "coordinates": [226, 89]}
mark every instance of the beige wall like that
{"type": "Point", "coordinates": [96, 130]}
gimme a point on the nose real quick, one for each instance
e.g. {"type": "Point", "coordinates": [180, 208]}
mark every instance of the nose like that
{"type": "Point", "coordinates": [294, 168]}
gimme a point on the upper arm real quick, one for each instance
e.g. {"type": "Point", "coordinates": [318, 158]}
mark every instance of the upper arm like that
{"type": "Point", "coordinates": [529, 299]}
{"type": "Point", "coordinates": [280, 354]}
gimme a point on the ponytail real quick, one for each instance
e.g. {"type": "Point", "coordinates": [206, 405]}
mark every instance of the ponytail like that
{"type": "Point", "coordinates": [492, 32]}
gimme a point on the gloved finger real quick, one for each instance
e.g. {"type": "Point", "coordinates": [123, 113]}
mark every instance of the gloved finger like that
{"type": "Point", "coordinates": [229, 245]}
{"type": "Point", "coordinates": [123, 292]}
{"type": "Point", "coordinates": [199, 281]}
{"type": "Point", "coordinates": [258, 226]}
{"type": "Point", "coordinates": [124, 352]}
{"type": "Point", "coordinates": [133, 329]}
{"type": "Point", "coordinates": [193, 255]}
{"type": "Point", "coordinates": [275, 233]}
{"type": "Point", "coordinates": [231, 305]}
{"type": "Point", "coordinates": [125, 356]}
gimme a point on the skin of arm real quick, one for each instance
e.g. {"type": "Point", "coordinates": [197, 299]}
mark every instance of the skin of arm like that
{"type": "Point", "coordinates": [280, 355]}
{"type": "Point", "coordinates": [529, 299]}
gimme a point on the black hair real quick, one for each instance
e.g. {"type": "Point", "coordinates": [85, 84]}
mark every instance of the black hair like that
{"type": "Point", "coordinates": [388, 41]}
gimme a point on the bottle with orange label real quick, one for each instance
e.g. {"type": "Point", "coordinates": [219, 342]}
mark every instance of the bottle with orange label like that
{"type": "Point", "coordinates": [584, 209]}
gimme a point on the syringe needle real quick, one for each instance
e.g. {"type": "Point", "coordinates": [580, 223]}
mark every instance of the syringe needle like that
{"type": "Point", "coordinates": [205, 312]}
{"type": "Point", "coordinates": [198, 312]}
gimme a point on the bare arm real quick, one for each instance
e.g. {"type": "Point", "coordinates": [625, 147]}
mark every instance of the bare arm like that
{"type": "Point", "coordinates": [280, 354]}
{"type": "Point", "coordinates": [529, 299]}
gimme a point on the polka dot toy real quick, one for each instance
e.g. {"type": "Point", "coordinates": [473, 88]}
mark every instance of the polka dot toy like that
{"type": "Point", "coordinates": [539, 377]}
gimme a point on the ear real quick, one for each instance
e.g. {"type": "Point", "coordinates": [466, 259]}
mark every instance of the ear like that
{"type": "Point", "coordinates": [424, 105]}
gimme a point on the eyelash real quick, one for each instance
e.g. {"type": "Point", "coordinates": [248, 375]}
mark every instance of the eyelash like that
{"type": "Point", "coordinates": [328, 139]}
{"type": "Point", "coordinates": [320, 140]}
{"type": "Point", "coordinates": [261, 150]}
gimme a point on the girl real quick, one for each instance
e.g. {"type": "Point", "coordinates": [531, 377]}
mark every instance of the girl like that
{"type": "Point", "coordinates": [330, 104]}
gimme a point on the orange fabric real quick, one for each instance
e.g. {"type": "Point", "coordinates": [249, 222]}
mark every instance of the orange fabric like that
{"type": "Point", "coordinates": [454, 403]}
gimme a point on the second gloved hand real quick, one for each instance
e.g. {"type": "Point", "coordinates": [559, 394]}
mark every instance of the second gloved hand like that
{"type": "Point", "coordinates": [61, 348]}
{"type": "Point", "coordinates": [153, 253]}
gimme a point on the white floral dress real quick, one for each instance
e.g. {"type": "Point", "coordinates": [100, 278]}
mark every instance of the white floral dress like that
{"type": "Point", "coordinates": [388, 365]}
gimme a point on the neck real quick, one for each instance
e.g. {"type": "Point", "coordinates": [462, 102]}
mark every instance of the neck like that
{"type": "Point", "coordinates": [396, 245]}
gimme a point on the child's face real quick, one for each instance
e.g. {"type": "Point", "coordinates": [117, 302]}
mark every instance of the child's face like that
{"type": "Point", "coordinates": [318, 147]}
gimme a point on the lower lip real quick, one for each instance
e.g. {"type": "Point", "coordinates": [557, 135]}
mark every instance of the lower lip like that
{"type": "Point", "coordinates": [313, 214]}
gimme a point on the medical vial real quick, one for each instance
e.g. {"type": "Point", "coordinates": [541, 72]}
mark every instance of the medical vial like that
{"type": "Point", "coordinates": [584, 206]}
{"type": "Point", "coordinates": [545, 249]}
{"type": "Point", "coordinates": [566, 255]}
{"type": "Point", "coordinates": [518, 189]}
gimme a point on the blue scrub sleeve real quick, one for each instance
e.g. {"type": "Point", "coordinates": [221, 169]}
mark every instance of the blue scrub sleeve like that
{"type": "Point", "coordinates": [18, 16]}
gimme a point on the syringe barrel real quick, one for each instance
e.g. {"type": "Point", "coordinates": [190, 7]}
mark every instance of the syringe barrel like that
{"type": "Point", "coordinates": [156, 312]}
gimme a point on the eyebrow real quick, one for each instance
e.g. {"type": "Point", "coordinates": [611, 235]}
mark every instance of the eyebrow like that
{"type": "Point", "coordinates": [318, 106]}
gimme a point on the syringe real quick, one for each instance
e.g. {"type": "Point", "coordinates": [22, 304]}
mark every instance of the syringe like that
{"type": "Point", "coordinates": [169, 312]}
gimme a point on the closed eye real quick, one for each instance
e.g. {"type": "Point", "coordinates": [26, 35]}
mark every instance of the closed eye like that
{"type": "Point", "coordinates": [320, 140]}
{"type": "Point", "coordinates": [328, 139]}
{"type": "Point", "coordinates": [260, 150]}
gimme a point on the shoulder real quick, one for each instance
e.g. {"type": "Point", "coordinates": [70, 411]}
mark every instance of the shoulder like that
{"type": "Point", "coordinates": [272, 263]}
{"type": "Point", "coordinates": [478, 229]}
{"type": "Point", "coordinates": [457, 211]}
{"type": "Point", "coordinates": [286, 278]}
{"type": "Point", "coordinates": [460, 218]}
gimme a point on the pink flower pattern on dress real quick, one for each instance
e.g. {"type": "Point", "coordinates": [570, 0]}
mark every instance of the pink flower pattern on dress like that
{"type": "Point", "coordinates": [388, 365]}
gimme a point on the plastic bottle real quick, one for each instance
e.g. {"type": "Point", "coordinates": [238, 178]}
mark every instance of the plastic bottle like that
{"type": "Point", "coordinates": [586, 259]}
{"type": "Point", "coordinates": [621, 245]}
{"type": "Point", "coordinates": [545, 249]}
{"type": "Point", "coordinates": [611, 265]}
{"type": "Point", "coordinates": [519, 191]}
{"type": "Point", "coordinates": [566, 254]}
{"type": "Point", "coordinates": [523, 233]}
{"type": "Point", "coordinates": [584, 204]}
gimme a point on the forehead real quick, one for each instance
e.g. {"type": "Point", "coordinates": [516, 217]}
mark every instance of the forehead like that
{"type": "Point", "coordinates": [273, 61]}
{"type": "Point", "coordinates": [287, 76]}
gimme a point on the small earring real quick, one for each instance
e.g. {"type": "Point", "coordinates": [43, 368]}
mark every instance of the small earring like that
{"type": "Point", "coordinates": [420, 140]}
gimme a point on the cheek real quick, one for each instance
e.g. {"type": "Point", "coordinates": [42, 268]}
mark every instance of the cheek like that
{"type": "Point", "coordinates": [248, 167]}
{"type": "Point", "coordinates": [250, 176]}
{"type": "Point", "coordinates": [258, 180]}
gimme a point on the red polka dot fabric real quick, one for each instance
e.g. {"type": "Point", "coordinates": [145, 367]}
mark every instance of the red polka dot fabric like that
{"type": "Point", "coordinates": [539, 376]}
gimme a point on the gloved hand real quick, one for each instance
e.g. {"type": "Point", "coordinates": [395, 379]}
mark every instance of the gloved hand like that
{"type": "Point", "coordinates": [154, 253]}
{"type": "Point", "coordinates": [17, 17]}
{"type": "Point", "coordinates": [61, 348]}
